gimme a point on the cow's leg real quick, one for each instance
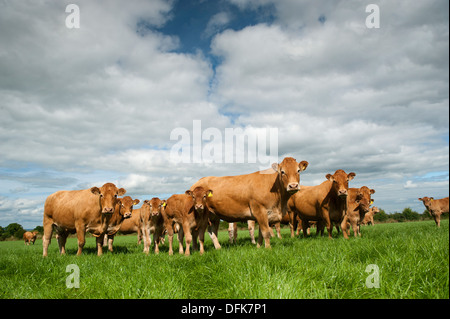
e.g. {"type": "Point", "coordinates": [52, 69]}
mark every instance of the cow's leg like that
{"type": "Point", "coordinates": [437, 219]}
{"type": "Point", "coordinates": [139, 236]}
{"type": "Point", "coordinates": [99, 242]}
{"type": "Point", "coordinates": [62, 237]}
{"type": "Point", "coordinates": [213, 230]}
{"type": "Point", "coordinates": [180, 241]}
{"type": "Point", "coordinates": [261, 218]}
{"type": "Point", "coordinates": [156, 241]}
{"type": "Point", "coordinates": [201, 238]}
{"type": "Point", "coordinates": [194, 240]}
{"type": "Point", "coordinates": [46, 239]}
{"type": "Point", "coordinates": [345, 225]}
{"type": "Point", "coordinates": [110, 242]}
{"type": "Point", "coordinates": [147, 239]}
{"type": "Point", "coordinates": [341, 223]}
{"type": "Point", "coordinates": [277, 228]}
{"type": "Point", "coordinates": [170, 235]}
{"type": "Point", "coordinates": [188, 238]}
{"type": "Point", "coordinates": [230, 232]}
{"type": "Point", "coordinates": [81, 236]}
{"type": "Point", "coordinates": [251, 230]}
{"type": "Point", "coordinates": [329, 226]}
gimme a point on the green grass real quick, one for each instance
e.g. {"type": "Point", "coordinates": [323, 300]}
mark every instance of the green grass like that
{"type": "Point", "coordinates": [413, 259]}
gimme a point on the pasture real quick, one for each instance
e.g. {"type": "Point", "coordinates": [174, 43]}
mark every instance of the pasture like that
{"type": "Point", "coordinates": [413, 262]}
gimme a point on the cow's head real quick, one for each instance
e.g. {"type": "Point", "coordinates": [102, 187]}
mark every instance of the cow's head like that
{"type": "Point", "coordinates": [126, 206]}
{"type": "Point", "coordinates": [199, 196]}
{"type": "Point", "coordinates": [375, 210]}
{"type": "Point", "coordinates": [340, 181]}
{"type": "Point", "coordinates": [155, 205]}
{"type": "Point", "coordinates": [363, 198]}
{"type": "Point", "coordinates": [289, 173]}
{"type": "Point", "coordinates": [108, 194]}
{"type": "Point", "coordinates": [427, 202]}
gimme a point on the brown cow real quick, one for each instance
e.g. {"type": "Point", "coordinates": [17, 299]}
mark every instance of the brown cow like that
{"type": "Point", "coordinates": [260, 196]}
{"type": "Point", "coordinates": [436, 207]}
{"type": "Point", "coordinates": [79, 211]}
{"type": "Point", "coordinates": [358, 206]}
{"type": "Point", "coordinates": [30, 237]}
{"type": "Point", "coordinates": [123, 211]}
{"type": "Point", "coordinates": [152, 222]}
{"type": "Point", "coordinates": [326, 203]}
{"type": "Point", "coordinates": [189, 210]}
{"type": "Point", "coordinates": [369, 216]}
{"type": "Point", "coordinates": [133, 225]}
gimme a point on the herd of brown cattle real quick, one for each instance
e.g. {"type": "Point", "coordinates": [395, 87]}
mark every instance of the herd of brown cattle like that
{"type": "Point", "coordinates": [268, 197]}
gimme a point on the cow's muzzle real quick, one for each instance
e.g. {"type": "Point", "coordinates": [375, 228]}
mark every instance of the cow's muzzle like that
{"type": "Point", "coordinates": [108, 210]}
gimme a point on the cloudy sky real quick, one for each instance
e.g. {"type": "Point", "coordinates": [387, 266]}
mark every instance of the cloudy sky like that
{"type": "Point", "coordinates": [83, 106]}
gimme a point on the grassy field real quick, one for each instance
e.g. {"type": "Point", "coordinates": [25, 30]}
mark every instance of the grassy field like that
{"type": "Point", "coordinates": [412, 258]}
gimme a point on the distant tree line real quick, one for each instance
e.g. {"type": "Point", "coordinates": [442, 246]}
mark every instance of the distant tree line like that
{"type": "Point", "coordinates": [405, 216]}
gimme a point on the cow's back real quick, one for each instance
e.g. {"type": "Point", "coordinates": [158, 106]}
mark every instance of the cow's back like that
{"type": "Point", "coordinates": [65, 207]}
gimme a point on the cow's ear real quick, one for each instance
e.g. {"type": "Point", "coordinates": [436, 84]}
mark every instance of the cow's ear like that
{"type": "Point", "coordinates": [420, 199]}
{"type": "Point", "coordinates": [303, 165]}
{"type": "Point", "coordinates": [164, 203]}
{"type": "Point", "coordinates": [372, 191]}
{"type": "Point", "coordinates": [121, 192]}
{"type": "Point", "coordinates": [95, 190]}
{"type": "Point", "coordinates": [188, 192]}
{"type": "Point", "coordinates": [371, 201]}
{"type": "Point", "coordinates": [119, 201]}
{"type": "Point", "coordinates": [350, 176]}
{"type": "Point", "coordinates": [275, 167]}
{"type": "Point", "coordinates": [210, 193]}
{"type": "Point", "coordinates": [136, 201]}
{"type": "Point", "coordinates": [146, 201]}
{"type": "Point", "coordinates": [330, 177]}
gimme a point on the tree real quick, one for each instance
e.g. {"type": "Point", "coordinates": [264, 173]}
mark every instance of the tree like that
{"type": "Point", "coordinates": [15, 230]}
{"type": "Point", "coordinates": [381, 216]}
{"type": "Point", "coordinates": [409, 214]}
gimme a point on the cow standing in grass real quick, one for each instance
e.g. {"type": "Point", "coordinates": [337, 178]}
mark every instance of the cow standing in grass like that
{"type": "Point", "coordinates": [260, 196]}
{"type": "Point", "coordinates": [152, 222]}
{"type": "Point", "coordinates": [325, 203]}
{"type": "Point", "coordinates": [368, 219]}
{"type": "Point", "coordinates": [436, 207]}
{"type": "Point", "coordinates": [191, 212]}
{"type": "Point", "coordinates": [30, 237]}
{"type": "Point", "coordinates": [358, 206]}
{"type": "Point", "coordinates": [123, 211]}
{"type": "Point", "coordinates": [79, 211]}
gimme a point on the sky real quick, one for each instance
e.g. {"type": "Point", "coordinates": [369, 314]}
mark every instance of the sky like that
{"type": "Point", "coordinates": [116, 98]}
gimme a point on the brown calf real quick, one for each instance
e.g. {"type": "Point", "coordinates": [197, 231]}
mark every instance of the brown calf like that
{"type": "Point", "coordinates": [191, 211]}
{"type": "Point", "coordinates": [30, 237]}
{"type": "Point", "coordinates": [368, 219]}
{"type": "Point", "coordinates": [326, 203]}
{"type": "Point", "coordinates": [79, 211]}
{"type": "Point", "coordinates": [152, 222]}
{"type": "Point", "coordinates": [358, 206]}
{"type": "Point", "coordinates": [436, 207]}
{"type": "Point", "coordinates": [123, 211]}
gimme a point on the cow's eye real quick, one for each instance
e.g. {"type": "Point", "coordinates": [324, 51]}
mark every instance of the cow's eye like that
{"type": "Point", "coordinates": [115, 196]}
{"type": "Point", "coordinates": [298, 171]}
{"type": "Point", "coordinates": [283, 173]}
